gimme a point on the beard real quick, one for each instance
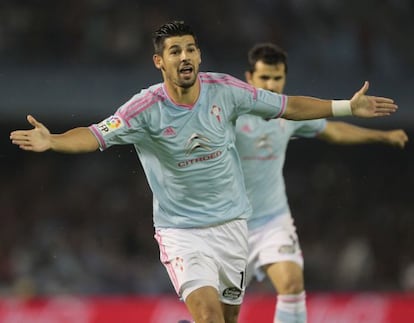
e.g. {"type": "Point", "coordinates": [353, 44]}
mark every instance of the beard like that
{"type": "Point", "coordinates": [187, 81]}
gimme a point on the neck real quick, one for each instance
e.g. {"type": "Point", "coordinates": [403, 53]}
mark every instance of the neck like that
{"type": "Point", "coordinates": [184, 96]}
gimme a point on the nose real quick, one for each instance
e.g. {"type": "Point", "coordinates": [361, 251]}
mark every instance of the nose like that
{"type": "Point", "coordinates": [273, 86]}
{"type": "Point", "coordinates": [184, 55]}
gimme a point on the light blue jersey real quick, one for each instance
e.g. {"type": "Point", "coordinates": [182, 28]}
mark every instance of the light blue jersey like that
{"type": "Point", "coordinates": [188, 152]}
{"type": "Point", "coordinates": [262, 148]}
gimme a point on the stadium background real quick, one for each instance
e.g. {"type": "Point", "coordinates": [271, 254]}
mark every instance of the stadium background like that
{"type": "Point", "coordinates": [81, 225]}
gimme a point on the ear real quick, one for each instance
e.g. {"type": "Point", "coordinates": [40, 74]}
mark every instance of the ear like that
{"type": "Point", "coordinates": [157, 59]}
{"type": "Point", "coordinates": [248, 75]}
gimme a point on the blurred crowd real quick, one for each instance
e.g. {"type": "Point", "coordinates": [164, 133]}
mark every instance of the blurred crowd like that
{"type": "Point", "coordinates": [112, 31]}
{"type": "Point", "coordinates": [83, 224]}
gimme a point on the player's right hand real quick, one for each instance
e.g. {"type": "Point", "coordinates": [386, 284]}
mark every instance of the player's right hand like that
{"type": "Point", "coordinates": [37, 139]}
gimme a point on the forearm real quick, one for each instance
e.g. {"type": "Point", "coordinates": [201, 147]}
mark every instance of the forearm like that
{"type": "Point", "coordinates": [347, 134]}
{"type": "Point", "coordinates": [77, 140]}
{"type": "Point", "coordinates": [305, 108]}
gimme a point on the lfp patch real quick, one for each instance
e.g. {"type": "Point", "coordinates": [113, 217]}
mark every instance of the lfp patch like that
{"type": "Point", "coordinates": [110, 124]}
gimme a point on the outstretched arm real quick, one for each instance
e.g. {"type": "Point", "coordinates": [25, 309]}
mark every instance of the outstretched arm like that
{"type": "Point", "coordinates": [360, 105]}
{"type": "Point", "coordinates": [347, 134]}
{"type": "Point", "coordinates": [39, 139]}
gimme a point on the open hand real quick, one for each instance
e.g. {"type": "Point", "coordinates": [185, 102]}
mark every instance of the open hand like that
{"type": "Point", "coordinates": [366, 106]}
{"type": "Point", "coordinates": [36, 139]}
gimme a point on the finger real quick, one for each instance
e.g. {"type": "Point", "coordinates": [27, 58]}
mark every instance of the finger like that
{"type": "Point", "coordinates": [18, 134]}
{"type": "Point", "coordinates": [380, 99]}
{"type": "Point", "coordinates": [364, 88]}
{"type": "Point", "coordinates": [401, 144]}
{"type": "Point", "coordinates": [387, 111]}
{"type": "Point", "coordinates": [381, 114]}
{"type": "Point", "coordinates": [26, 147]}
{"type": "Point", "coordinates": [390, 106]}
{"type": "Point", "coordinates": [33, 121]}
{"type": "Point", "coordinates": [20, 141]}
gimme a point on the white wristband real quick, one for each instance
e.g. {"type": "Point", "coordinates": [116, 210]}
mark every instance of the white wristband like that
{"type": "Point", "coordinates": [341, 108]}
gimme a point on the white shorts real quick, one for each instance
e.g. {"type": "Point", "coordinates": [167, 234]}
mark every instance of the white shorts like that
{"type": "Point", "coordinates": [212, 256]}
{"type": "Point", "coordinates": [273, 242]}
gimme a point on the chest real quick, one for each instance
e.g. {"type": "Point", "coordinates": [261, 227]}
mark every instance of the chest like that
{"type": "Point", "coordinates": [203, 128]}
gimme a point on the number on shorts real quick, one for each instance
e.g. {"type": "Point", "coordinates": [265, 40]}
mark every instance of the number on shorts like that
{"type": "Point", "coordinates": [242, 279]}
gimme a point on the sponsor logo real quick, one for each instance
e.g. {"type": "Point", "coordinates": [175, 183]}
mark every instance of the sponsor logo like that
{"type": "Point", "coordinates": [110, 124]}
{"type": "Point", "coordinates": [264, 150]}
{"type": "Point", "coordinates": [196, 141]}
{"type": "Point", "coordinates": [287, 249]}
{"type": "Point", "coordinates": [192, 161]}
{"type": "Point", "coordinates": [264, 142]}
{"type": "Point", "coordinates": [232, 293]}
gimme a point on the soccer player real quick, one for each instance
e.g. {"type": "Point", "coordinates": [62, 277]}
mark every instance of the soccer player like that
{"type": "Point", "coordinates": [183, 133]}
{"type": "Point", "coordinates": [274, 249]}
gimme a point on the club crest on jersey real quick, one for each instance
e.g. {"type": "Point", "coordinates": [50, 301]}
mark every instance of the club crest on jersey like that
{"type": "Point", "coordinates": [110, 124]}
{"type": "Point", "coordinates": [216, 110]}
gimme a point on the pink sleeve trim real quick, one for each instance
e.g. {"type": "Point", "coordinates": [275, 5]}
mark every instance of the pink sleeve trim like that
{"type": "Point", "coordinates": [98, 136]}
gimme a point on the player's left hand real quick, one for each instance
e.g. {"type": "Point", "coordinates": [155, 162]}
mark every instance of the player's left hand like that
{"type": "Point", "coordinates": [366, 106]}
{"type": "Point", "coordinates": [397, 138]}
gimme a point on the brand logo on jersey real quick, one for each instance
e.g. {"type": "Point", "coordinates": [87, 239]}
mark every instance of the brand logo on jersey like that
{"type": "Point", "coordinates": [169, 132]}
{"type": "Point", "coordinates": [264, 150]}
{"type": "Point", "coordinates": [264, 142]}
{"type": "Point", "coordinates": [196, 141]}
{"type": "Point", "coordinates": [110, 124]}
{"type": "Point", "coordinates": [232, 293]}
{"type": "Point", "coordinates": [216, 110]}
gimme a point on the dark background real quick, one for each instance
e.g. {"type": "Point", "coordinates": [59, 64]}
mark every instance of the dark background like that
{"type": "Point", "coordinates": [83, 223]}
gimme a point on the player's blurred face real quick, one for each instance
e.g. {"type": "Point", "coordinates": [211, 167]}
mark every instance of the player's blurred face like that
{"type": "Point", "coordinates": [268, 77]}
{"type": "Point", "coordinates": [180, 61]}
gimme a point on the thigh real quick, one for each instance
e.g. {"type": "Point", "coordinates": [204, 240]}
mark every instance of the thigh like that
{"type": "Point", "coordinates": [231, 253]}
{"type": "Point", "coordinates": [213, 256]}
{"type": "Point", "coordinates": [188, 265]}
{"type": "Point", "coordinates": [270, 244]}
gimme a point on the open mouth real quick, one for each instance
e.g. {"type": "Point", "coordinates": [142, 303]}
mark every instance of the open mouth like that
{"type": "Point", "coordinates": [186, 70]}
